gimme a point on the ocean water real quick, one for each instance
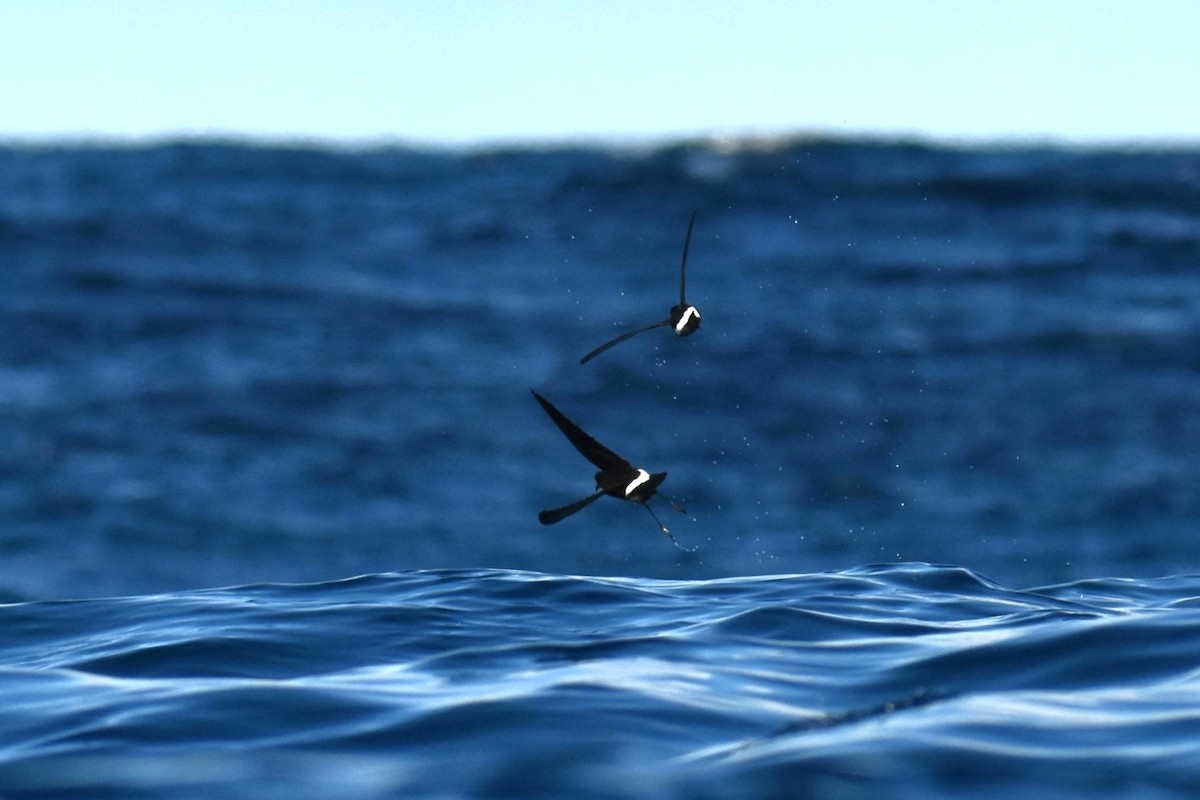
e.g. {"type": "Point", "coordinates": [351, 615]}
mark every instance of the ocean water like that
{"type": "Point", "coordinates": [271, 472]}
{"type": "Point", "coordinates": [896, 681]}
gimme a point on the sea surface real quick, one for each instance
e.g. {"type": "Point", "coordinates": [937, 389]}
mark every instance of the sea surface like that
{"type": "Point", "coordinates": [270, 471]}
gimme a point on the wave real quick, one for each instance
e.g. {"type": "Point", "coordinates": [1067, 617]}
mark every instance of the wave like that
{"type": "Point", "coordinates": [507, 683]}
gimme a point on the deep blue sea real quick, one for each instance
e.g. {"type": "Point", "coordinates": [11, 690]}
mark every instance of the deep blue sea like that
{"type": "Point", "coordinates": [270, 472]}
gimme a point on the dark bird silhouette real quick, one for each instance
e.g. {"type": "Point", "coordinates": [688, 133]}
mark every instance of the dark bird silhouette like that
{"type": "Point", "coordinates": [616, 477]}
{"type": "Point", "coordinates": [684, 319]}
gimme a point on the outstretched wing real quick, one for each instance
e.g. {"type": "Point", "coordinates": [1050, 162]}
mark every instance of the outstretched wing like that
{"type": "Point", "coordinates": [687, 242]}
{"type": "Point", "coordinates": [553, 515]}
{"type": "Point", "coordinates": [592, 450]}
{"type": "Point", "coordinates": [623, 337]}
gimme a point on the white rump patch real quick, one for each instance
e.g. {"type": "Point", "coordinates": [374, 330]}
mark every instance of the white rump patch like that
{"type": "Point", "coordinates": [641, 478]}
{"type": "Point", "coordinates": [688, 313]}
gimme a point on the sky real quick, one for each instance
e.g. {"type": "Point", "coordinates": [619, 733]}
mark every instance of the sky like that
{"type": "Point", "coordinates": [480, 72]}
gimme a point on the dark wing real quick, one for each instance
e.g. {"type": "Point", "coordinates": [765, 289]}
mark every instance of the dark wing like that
{"type": "Point", "coordinates": [687, 242]}
{"type": "Point", "coordinates": [592, 450]}
{"type": "Point", "coordinates": [553, 515]}
{"type": "Point", "coordinates": [623, 337]}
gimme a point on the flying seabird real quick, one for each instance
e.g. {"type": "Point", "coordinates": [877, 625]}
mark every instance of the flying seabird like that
{"type": "Point", "coordinates": [617, 477]}
{"type": "Point", "coordinates": [684, 319]}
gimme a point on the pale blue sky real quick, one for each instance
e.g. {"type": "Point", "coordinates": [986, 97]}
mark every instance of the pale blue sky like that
{"type": "Point", "coordinates": [476, 72]}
